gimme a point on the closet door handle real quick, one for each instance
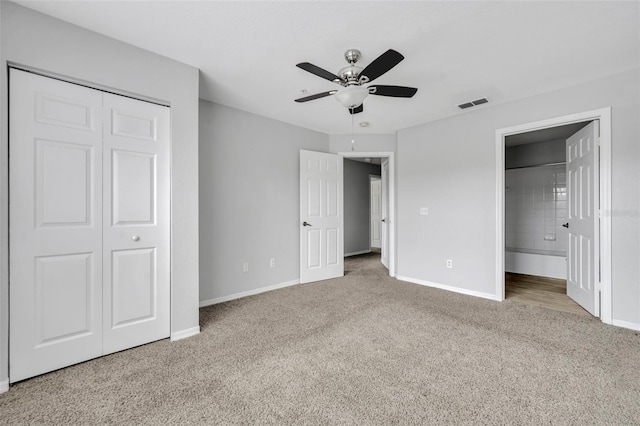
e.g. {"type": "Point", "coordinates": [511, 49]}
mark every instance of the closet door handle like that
{"type": "Point", "coordinates": [135, 238]}
{"type": "Point", "coordinates": [306, 224]}
{"type": "Point", "coordinates": [566, 225]}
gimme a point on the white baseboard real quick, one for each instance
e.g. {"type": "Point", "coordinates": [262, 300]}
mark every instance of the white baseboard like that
{"type": "Point", "coordinates": [626, 324]}
{"type": "Point", "coordinates": [4, 386]}
{"type": "Point", "coordinates": [448, 288]}
{"type": "Point", "coordinates": [222, 299]}
{"type": "Point", "coordinates": [355, 253]}
{"type": "Point", "coordinates": [183, 334]}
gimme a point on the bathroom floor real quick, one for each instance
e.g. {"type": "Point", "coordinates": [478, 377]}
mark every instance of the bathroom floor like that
{"type": "Point", "coordinates": [541, 291]}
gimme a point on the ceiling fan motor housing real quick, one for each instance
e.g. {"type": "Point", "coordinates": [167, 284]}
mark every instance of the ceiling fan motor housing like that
{"type": "Point", "coordinates": [350, 74]}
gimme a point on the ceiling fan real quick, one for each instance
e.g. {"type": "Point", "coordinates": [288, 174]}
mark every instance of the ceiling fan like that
{"type": "Point", "coordinates": [353, 78]}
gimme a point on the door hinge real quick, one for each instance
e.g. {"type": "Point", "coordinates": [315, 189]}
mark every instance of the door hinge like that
{"type": "Point", "coordinates": [598, 287]}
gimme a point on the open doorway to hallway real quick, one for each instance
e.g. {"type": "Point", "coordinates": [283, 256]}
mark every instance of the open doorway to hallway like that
{"type": "Point", "coordinates": [359, 204]}
{"type": "Point", "coordinates": [373, 229]}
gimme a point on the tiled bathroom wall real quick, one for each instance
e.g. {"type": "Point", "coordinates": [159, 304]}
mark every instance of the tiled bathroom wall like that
{"type": "Point", "coordinates": [536, 208]}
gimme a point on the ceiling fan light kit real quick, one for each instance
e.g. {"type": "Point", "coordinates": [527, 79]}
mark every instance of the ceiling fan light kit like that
{"type": "Point", "coordinates": [353, 78]}
{"type": "Point", "coordinates": [351, 96]}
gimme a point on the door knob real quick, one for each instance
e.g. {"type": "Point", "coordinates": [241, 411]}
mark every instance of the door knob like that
{"type": "Point", "coordinates": [306, 224]}
{"type": "Point", "coordinates": [135, 238]}
{"type": "Point", "coordinates": [566, 225]}
{"type": "Point", "coordinates": [384, 220]}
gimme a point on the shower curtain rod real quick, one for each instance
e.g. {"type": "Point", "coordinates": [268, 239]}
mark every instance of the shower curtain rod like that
{"type": "Point", "coordinates": [537, 165]}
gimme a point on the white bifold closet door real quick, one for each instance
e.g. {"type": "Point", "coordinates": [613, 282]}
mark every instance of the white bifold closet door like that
{"type": "Point", "coordinates": [89, 223]}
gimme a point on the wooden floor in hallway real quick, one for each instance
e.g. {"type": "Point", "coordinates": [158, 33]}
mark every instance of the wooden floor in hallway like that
{"type": "Point", "coordinates": [541, 291]}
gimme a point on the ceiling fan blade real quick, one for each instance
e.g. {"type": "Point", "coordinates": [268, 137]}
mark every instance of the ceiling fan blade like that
{"type": "Point", "coordinates": [316, 96]}
{"type": "Point", "coordinates": [318, 71]}
{"type": "Point", "coordinates": [394, 91]}
{"type": "Point", "coordinates": [356, 110]}
{"type": "Point", "coordinates": [382, 64]}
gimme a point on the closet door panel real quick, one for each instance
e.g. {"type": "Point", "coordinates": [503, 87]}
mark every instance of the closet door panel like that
{"type": "Point", "coordinates": [55, 234]}
{"type": "Point", "coordinates": [136, 227]}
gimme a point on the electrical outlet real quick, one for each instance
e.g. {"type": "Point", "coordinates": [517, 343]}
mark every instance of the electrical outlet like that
{"type": "Point", "coordinates": [245, 267]}
{"type": "Point", "coordinates": [449, 263]}
{"type": "Point", "coordinates": [424, 211]}
{"type": "Point", "coordinates": [272, 262]}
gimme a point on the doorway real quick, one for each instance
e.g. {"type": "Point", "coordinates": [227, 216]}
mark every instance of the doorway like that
{"type": "Point", "coordinates": [536, 217]}
{"type": "Point", "coordinates": [388, 242]}
{"type": "Point", "coordinates": [597, 197]}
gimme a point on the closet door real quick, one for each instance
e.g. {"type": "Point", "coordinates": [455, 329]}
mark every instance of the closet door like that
{"type": "Point", "coordinates": [55, 233]}
{"type": "Point", "coordinates": [136, 223]}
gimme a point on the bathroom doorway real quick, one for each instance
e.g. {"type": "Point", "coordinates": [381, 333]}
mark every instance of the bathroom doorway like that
{"type": "Point", "coordinates": [536, 218]}
{"type": "Point", "coordinates": [550, 230]}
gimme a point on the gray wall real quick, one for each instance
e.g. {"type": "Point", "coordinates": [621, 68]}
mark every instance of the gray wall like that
{"type": "Point", "coordinates": [82, 55]}
{"type": "Point", "coordinates": [249, 200]}
{"type": "Point", "coordinates": [535, 154]}
{"type": "Point", "coordinates": [450, 166]}
{"type": "Point", "coordinates": [357, 200]}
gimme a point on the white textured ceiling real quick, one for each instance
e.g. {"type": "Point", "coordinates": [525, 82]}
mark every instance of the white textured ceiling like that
{"type": "Point", "coordinates": [454, 51]}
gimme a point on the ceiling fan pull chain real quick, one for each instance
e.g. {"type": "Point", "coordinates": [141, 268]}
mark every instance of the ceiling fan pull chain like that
{"type": "Point", "coordinates": [353, 140]}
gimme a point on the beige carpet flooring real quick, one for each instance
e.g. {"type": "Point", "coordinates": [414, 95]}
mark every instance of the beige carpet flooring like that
{"type": "Point", "coordinates": [364, 349]}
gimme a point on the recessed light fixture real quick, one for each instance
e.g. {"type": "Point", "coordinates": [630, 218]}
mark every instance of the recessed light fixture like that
{"type": "Point", "coordinates": [364, 124]}
{"type": "Point", "coordinates": [303, 91]}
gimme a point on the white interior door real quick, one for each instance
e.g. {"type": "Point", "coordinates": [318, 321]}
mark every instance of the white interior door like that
{"type": "Point", "coordinates": [385, 214]}
{"type": "Point", "coordinates": [55, 234]}
{"type": "Point", "coordinates": [583, 194]}
{"type": "Point", "coordinates": [321, 216]}
{"type": "Point", "coordinates": [136, 223]}
{"type": "Point", "coordinates": [376, 212]}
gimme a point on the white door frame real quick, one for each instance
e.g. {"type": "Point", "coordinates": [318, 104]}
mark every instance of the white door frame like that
{"type": "Point", "coordinates": [604, 115]}
{"type": "Point", "coordinates": [391, 200]}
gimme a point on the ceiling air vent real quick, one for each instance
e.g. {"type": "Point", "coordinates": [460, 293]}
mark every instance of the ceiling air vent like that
{"type": "Point", "coordinates": [473, 103]}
